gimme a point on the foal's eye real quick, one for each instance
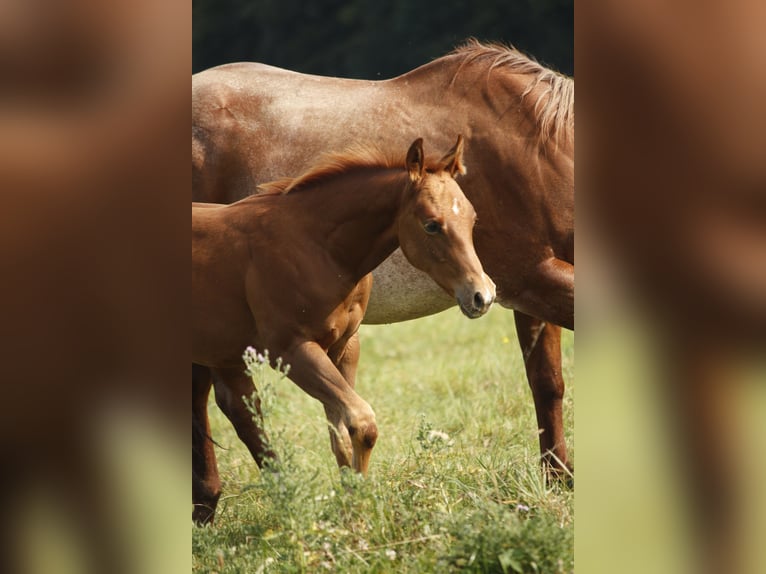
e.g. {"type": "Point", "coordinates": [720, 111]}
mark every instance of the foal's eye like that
{"type": "Point", "coordinates": [432, 227]}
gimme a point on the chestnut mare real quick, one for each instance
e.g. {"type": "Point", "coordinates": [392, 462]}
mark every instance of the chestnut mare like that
{"type": "Point", "coordinates": [288, 270]}
{"type": "Point", "coordinates": [518, 118]}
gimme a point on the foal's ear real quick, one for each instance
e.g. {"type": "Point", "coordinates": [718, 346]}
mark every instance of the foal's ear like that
{"type": "Point", "coordinates": [415, 163]}
{"type": "Point", "coordinates": [453, 161]}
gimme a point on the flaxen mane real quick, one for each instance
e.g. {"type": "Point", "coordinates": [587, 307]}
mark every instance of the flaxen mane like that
{"type": "Point", "coordinates": [554, 106]}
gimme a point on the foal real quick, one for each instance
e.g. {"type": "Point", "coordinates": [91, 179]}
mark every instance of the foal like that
{"type": "Point", "coordinates": [288, 270]}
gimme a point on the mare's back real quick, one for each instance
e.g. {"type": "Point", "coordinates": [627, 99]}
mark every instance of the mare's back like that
{"type": "Point", "coordinates": [266, 110]}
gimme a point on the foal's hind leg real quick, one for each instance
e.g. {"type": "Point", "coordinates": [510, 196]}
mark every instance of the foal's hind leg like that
{"type": "Point", "coordinates": [346, 361]}
{"type": "Point", "coordinates": [231, 385]}
{"type": "Point", "coordinates": [541, 346]}
{"type": "Point", "coordinates": [206, 484]}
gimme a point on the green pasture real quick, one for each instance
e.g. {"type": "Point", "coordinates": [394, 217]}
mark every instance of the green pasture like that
{"type": "Point", "coordinates": [454, 482]}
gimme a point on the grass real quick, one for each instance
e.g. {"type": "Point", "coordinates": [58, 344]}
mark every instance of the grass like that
{"type": "Point", "coordinates": [454, 482]}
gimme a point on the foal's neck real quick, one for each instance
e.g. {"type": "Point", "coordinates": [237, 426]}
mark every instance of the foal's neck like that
{"type": "Point", "coordinates": [358, 215]}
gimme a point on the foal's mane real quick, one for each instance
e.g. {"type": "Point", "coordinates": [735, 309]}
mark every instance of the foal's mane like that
{"type": "Point", "coordinates": [554, 106]}
{"type": "Point", "coordinates": [333, 164]}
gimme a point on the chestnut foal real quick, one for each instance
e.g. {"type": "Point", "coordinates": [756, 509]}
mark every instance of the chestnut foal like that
{"type": "Point", "coordinates": [288, 270]}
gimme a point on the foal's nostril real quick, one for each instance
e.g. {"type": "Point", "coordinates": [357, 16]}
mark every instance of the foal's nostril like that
{"type": "Point", "coordinates": [478, 301]}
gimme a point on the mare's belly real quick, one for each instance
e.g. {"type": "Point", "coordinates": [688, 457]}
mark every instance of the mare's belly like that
{"type": "Point", "coordinates": [400, 292]}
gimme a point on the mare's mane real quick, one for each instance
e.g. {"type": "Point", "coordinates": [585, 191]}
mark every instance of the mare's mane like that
{"type": "Point", "coordinates": [554, 106]}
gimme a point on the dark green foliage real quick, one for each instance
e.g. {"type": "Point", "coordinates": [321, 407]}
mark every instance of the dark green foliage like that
{"type": "Point", "coordinates": [374, 39]}
{"type": "Point", "coordinates": [497, 539]}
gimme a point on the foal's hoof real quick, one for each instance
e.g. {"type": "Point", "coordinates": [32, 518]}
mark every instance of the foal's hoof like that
{"type": "Point", "coordinates": [203, 514]}
{"type": "Point", "coordinates": [558, 475]}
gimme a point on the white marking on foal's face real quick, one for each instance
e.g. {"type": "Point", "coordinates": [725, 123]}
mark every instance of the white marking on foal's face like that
{"type": "Point", "coordinates": [455, 208]}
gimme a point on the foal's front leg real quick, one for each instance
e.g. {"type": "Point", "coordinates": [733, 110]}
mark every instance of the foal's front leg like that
{"type": "Point", "coordinates": [314, 372]}
{"type": "Point", "coordinates": [347, 361]}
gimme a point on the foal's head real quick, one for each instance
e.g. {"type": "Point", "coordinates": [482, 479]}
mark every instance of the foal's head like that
{"type": "Point", "coordinates": [436, 229]}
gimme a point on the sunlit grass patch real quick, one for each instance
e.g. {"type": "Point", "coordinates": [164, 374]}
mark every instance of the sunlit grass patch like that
{"type": "Point", "coordinates": [454, 482]}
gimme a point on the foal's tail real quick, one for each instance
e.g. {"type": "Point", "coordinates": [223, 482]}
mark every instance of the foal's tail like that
{"type": "Point", "coordinates": [199, 434]}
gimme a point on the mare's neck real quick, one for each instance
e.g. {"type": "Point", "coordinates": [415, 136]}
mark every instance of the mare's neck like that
{"type": "Point", "coordinates": [357, 216]}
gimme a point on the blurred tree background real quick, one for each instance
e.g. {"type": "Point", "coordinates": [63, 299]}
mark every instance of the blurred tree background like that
{"type": "Point", "coordinates": [374, 39]}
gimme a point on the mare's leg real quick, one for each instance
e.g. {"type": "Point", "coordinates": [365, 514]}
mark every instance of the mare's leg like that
{"type": "Point", "coordinates": [346, 361]}
{"type": "Point", "coordinates": [231, 385]}
{"type": "Point", "coordinates": [314, 372]}
{"type": "Point", "coordinates": [541, 346]}
{"type": "Point", "coordinates": [206, 484]}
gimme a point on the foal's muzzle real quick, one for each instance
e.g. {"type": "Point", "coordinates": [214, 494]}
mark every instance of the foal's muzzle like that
{"type": "Point", "coordinates": [475, 301]}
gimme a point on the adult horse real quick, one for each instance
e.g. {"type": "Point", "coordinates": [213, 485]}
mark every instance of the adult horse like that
{"type": "Point", "coordinates": [252, 123]}
{"type": "Point", "coordinates": [289, 271]}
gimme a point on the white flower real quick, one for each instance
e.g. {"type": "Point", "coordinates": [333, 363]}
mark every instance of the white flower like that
{"type": "Point", "coordinates": [255, 356]}
{"type": "Point", "coordinates": [435, 435]}
{"type": "Point", "coordinates": [391, 554]}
